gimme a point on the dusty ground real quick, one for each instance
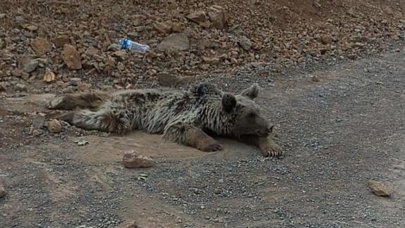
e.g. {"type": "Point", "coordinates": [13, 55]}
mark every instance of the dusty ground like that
{"type": "Point", "coordinates": [338, 133]}
{"type": "Point", "coordinates": [333, 82]}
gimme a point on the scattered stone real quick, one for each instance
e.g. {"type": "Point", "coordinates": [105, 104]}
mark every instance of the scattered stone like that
{"type": "Point", "coordinates": [133, 160]}
{"type": "Point", "coordinates": [75, 81]}
{"type": "Point", "coordinates": [211, 60]}
{"type": "Point", "coordinates": [31, 28]}
{"type": "Point", "coordinates": [60, 41]}
{"type": "Point", "coordinates": [175, 41]}
{"type": "Point", "coordinates": [2, 43]}
{"type": "Point", "coordinates": [120, 55]}
{"type": "Point", "coordinates": [177, 27]}
{"type": "Point", "coordinates": [20, 87]}
{"type": "Point", "coordinates": [128, 224]}
{"type": "Point", "coordinates": [326, 39]}
{"type": "Point", "coordinates": [198, 17]}
{"type": "Point", "coordinates": [2, 15]}
{"type": "Point", "coordinates": [49, 76]}
{"type": "Point", "coordinates": [380, 188]}
{"type": "Point", "coordinates": [71, 57]}
{"type": "Point", "coordinates": [217, 16]}
{"type": "Point", "coordinates": [38, 121]}
{"type": "Point", "coordinates": [245, 43]}
{"type": "Point", "coordinates": [167, 80]}
{"type": "Point", "coordinates": [81, 142]}
{"type": "Point", "coordinates": [2, 87]}
{"type": "Point", "coordinates": [54, 126]}
{"type": "Point", "coordinates": [114, 47]}
{"type": "Point", "coordinates": [315, 79]}
{"type": "Point", "coordinates": [40, 46]}
{"type": "Point", "coordinates": [29, 65]}
{"type": "Point", "coordinates": [218, 191]}
{"type": "Point", "coordinates": [92, 51]}
{"type": "Point", "coordinates": [163, 27]}
{"type": "Point", "coordinates": [3, 191]}
{"type": "Point", "coordinates": [17, 72]}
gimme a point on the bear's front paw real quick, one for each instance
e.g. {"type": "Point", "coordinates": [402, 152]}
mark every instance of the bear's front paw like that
{"type": "Point", "coordinates": [214, 146]}
{"type": "Point", "coordinates": [271, 150]}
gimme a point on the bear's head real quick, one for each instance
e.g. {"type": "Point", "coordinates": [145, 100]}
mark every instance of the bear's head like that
{"type": "Point", "coordinates": [244, 114]}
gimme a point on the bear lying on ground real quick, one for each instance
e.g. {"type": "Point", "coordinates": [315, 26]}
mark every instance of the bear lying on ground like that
{"type": "Point", "coordinates": [189, 117]}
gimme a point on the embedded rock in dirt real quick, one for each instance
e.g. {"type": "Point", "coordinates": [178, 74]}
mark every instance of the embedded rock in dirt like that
{"type": "Point", "coordinates": [211, 60]}
{"type": "Point", "coordinates": [217, 16]}
{"type": "Point", "coordinates": [245, 43]}
{"type": "Point", "coordinates": [198, 17]}
{"type": "Point", "coordinates": [129, 224]}
{"type": "Point", "coordinates": [71, 57]}
{"type": "Point", "coordinates": [2, 87]}
{"type": "Point", "coordinates": [133, 160]}
{"type": "Point", "coordinates": [60, 41]}
{"type": "Point", "coordinates": [177, 27]}
{"type": "Point", "coordinates": [120, 55]}
{"type": "Point", "coordinates": [31, 28]}
{"type": "Point", "coordinates": [326, 39]}
{"type": "Point", "coordinates": [38, 121]}
{"type": "Point", "coordinates": [380, 188]}
{"type": "Point", "coordinates": [2, 43]}
{"type": "Point", "coordinates": [40, 46]}
{"type": "Point", "coordinates": [167, 80]}
{"type": "Point", "coordinates": [54, 126]}
{"type": "Point", "coordinates": [29, 65]}
{"type": "Point", "coordinates": [20, 87]}
{"type": "Point", "coordinates": [163, 27]}
{"type": "Point", "coordinates": [175, 41]}
{"type": "Point", "coordinates": [3, 191]}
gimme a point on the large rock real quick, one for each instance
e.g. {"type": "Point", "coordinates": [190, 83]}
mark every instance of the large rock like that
{"type": "Point", "coordinates": [380, 188]}
{"type": "Point", "coordinates": [71, 57]}
{"type": "Point", "coordinates": [41, 46]}
{"type": "Point", "coordinates": [175, 41]}
{"type": "Point", "coordinates": [133, 160]}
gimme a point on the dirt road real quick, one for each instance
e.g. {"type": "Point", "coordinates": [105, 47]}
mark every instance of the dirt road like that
{"type": "Point", "coordinates": [339, 131]}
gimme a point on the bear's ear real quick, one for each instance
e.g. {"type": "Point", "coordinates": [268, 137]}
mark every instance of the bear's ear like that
{"type": "Point", "coordinates": [228, 102]}
{"type": "Point", "coordinates": [252, 92]}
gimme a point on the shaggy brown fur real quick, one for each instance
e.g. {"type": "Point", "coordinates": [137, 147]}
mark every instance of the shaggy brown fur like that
{"type": "Point", "coordinates": [189, 117]}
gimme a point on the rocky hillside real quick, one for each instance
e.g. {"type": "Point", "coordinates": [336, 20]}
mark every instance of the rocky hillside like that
{"type": "Point", "coordinates": [71, 45]}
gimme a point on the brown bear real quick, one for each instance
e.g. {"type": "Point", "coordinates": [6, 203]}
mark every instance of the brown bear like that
{"type": "Point", "coordinates": [189, 117]}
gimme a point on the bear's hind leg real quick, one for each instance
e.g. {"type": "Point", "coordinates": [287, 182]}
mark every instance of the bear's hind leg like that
{"type": "Point", "coordinates": [81, 100]}
{"type": "Point", "coordinates": [102, 120]}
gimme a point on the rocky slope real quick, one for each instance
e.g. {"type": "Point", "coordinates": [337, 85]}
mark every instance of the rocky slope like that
{"type": "Point", "coordinates": [70, 45]}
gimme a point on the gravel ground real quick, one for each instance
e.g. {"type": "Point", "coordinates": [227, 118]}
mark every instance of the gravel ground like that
{"type": "Point", "coordinates": [340, 124]}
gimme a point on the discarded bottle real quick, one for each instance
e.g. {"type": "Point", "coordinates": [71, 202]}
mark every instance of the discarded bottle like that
{"type": "Point", "coordinates": [128, 44]}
